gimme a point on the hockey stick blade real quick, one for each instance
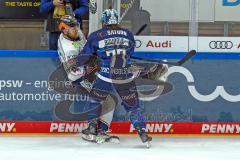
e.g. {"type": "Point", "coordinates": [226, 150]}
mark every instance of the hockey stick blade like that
{"type": "Point", "coordinates": [178, 63]}
{"type": "Point", "coordinates": [141, 29]}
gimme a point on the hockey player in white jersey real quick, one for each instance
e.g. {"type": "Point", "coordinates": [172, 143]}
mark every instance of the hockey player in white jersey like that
{"type": "Point", "coordinates": [70, 44]}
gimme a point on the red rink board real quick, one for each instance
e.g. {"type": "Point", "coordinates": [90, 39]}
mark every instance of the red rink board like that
{"type": "Point", "coordinates": [49, 127]}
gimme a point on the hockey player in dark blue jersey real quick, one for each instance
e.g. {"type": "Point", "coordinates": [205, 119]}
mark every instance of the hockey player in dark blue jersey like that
{"type": "Point", "coordinates": [114, 46]}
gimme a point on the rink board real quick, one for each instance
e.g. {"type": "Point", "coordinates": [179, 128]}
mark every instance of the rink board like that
{"type": "Point", "coordinates": [204, 100]}
{"type": "Point", "coordinates": [155, 128]}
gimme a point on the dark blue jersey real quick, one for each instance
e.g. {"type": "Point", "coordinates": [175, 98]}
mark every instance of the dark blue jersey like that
{"type": "Point", "coordinates": [113, 48]}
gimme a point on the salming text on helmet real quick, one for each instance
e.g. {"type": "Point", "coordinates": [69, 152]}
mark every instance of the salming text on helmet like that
{"type": "Point", "coordinates": [67, 21]}
{"type": "Point", "coordinates": [110, 16]}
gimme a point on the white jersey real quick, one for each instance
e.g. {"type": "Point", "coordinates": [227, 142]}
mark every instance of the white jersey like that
{"type": "Point", "coordinates": [68, 49]}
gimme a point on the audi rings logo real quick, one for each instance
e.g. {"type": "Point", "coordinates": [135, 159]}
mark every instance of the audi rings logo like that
{"type": "Point", "coordinates": [221, 45]}
{"type": "Point", "coordinates": [138, 43]}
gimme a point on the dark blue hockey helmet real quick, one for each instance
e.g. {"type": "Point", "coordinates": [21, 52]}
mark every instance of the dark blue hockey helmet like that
{"type": "Point", "coordinates": [110, 16]}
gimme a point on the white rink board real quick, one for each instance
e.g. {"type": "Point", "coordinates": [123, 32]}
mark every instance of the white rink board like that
{"type": "Point", "coordinates": [182, 43]}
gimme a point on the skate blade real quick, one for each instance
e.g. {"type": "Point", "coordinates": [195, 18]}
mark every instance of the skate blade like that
{"type": "Point", "coordinates": [100, 140]}
{"type": "Point", "coordinates": [89, 138]}
{"type": "Point", "coordinates": [113, 140]}
{"type": "Point", "coordinates": [148, 144]}
{"type": "Point", "coordinates": [108, 140]}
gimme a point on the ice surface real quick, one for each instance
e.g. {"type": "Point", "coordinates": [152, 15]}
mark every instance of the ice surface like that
{"type": "Point", "coordinates": [130, 148]}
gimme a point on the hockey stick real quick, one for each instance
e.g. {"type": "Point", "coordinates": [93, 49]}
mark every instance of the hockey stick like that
{"type": "Point", "coordinates": [141, 29]}
{"type": "Point", "coordinates": [189, 55]}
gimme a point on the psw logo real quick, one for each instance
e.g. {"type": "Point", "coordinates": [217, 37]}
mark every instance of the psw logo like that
{"type": "Point", "coordinates": [231, 2]}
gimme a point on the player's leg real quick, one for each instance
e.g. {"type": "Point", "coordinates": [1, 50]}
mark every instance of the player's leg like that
{"type": "Point", "coordinates": [99, 122]}
{"type": "Point", "coordinates": [90, 133]}
{"type": "Point", "coordinates": [130, 101]}
{"type": "Point", "coordinates": [103, 134]}
{"type": "Point", "coordinates": [109, 105]}
{"type": "Point", "coordinates": [98, 128]}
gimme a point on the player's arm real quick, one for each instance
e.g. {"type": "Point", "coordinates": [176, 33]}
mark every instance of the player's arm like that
{"type": "Point", "coordinates": [70, 63]}
{"type": "Point", "coordinates": [82, 9]}
{"type": "Point", "coordinates": [67, 58]}
{"type": "Point", "coordinates": [88, 59]}
{"type": "Point", "coordinates": [88, 55]}
{"type": "Point", "coordinates": [46, 6]}
{"type": "Point", "coordinates": [87, 51]}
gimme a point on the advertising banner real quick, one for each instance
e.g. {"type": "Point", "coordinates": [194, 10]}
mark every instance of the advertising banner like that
{"type": "Point", "coordinates": [226, 10]}
{"type": "Point", "coordinates": [20, 9]}
{"type": "Point", "coordinates": [181, 43]}
{"type": "Point", "coordinates": [156, 128]}
{"type": "Point", "coordinates": [201, 97]}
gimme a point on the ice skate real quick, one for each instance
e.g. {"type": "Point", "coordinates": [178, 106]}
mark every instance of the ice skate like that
{"type": "Point", "coordinates": [103, 137]}
{"type": "Point", "coordinates": [90, 133]}
{"type": "Point", "coordinates": [144, 137]}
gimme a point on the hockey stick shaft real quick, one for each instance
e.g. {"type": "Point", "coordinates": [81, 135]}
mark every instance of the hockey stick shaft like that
{"type": "Point", "coordinates": [178, 63]}
{"type": "Point", "coordinates": [188, 56]}
{"type": "Point", "coordinates": [141, 29]}
{"type": "Point", "coordinates": [153, 61]}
